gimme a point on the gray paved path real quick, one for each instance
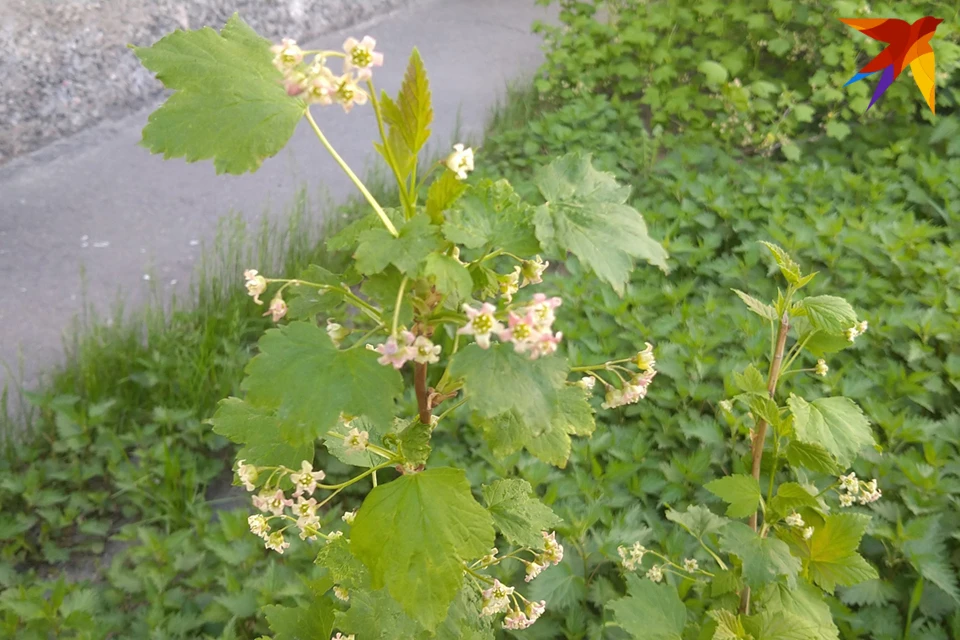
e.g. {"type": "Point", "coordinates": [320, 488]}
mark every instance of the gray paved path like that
{"type": "Point", "coordinates": [101, 203]}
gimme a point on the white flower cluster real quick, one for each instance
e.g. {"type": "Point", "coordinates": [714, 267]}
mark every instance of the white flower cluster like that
{"type": "Point", "coordinates": [856, 330]}
{"type": "Point", "coordinates": [316, 83]}
{"type": "Point", "coordinates": [500, 598]}
{"type": "Point", "coordinates": [855, 490]}
{"type": "Point", "coordinates": [635, 389]}
{"type": "Point", "coordinates": [460, 161]}
{"type": "Point", "coordinates": [276, 502]}
{"type": "Point", "coordinates": [397, 353]}
{"type": "Point", "coordinates": [552, 555]}
{"type": "Point", "coordinates": [821, 369]}
{"type": "Point", "coordinates": [530, 329]}
{"type": "Point", "coordinates": [631, 557]}
{"type": "Point", "coordinates": [256, 284]}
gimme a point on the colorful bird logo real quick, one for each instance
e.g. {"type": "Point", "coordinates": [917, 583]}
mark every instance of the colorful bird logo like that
{"type": "Point", "coordinates": [907, 44]}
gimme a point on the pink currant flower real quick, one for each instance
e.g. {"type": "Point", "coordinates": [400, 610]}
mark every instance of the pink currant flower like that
{"type": "Point", "coordinates": [509, 284]}
{"type": "Point", "coordinates": [460, 161]}
{"type": "Point", "coordinates": [496, 599]}
{"type": "Point", "coordinates": [645, 359]}
{"type": "Point", "coordinates": [552, 550]}
{"type": "Point", "coordinates": [255, 283]}
{"type": "Point", "coordinates": [347, 93]}
{"type": "Point", "coordinates": [393, 353]}
{"type": "Point", "coordinates": [532, 271]}
{"type": "Point", "coordinates": [545, 345]}
{"type": "Point", "coordinates": [286, 54]}
{"type": "Point", "coordinates": [362, 57]}
{"type": "Point", "coordinates": [262, 501]}
{"type": "Point", "coordinates": [516, 619]}
{"type": "Point", "coordinates": [276, 542]}
{"type": "Point", "coordinates": [247, 474]}
{"type": "Point", "coordinates": [425, 352]}
{"type": "Point", "coordinates": [277, 502]}
{"type": "Point", "coordinates": [309, 527]}
{"type": "Point", "coordinates": [520, 331]}
{"type": "Point", "coordinates": [258, 525]}
{"type": "Point", "coordinates": [357, 440]}
{"type": "Point", "coordinates": [306, 479]}
{"type": "Point", "coordinates": [305, 508]}
{"type": "Point", "coordinates": [543, 308]}
{"type": "Point", "coordinates": [535, 610]}
{"type": "Point", "coordinates": [320, 86]}
{"type": "Point", "coordinates": [278, 309]}
{"type": "Point", "coordinates": [534, 569]}
{"type": "Point", "coordinates": [481, 324]}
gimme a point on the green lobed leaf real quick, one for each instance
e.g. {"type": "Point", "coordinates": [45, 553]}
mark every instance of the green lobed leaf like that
{"type": "Point", "coordinates": [415, 443]}
{"type": "Point", "coordinates": [760, 308]}
{"type": "Point", "coordinates": [729, 626]}
{"type": "Point", "coordinates": [714, 72]}
{"type": "Point", "coordinates": [490, 215]}
{"type": "Point", "coordinates": [309, 382]}
{"type": "Point", "coordinates": [790, 497]}
{"type": "Point", "coordinates": [314, 620]}
{"type": "Point", "coordinates": [764, 559]}
{"type": "Point", "coordinates": [450, 277]}
{"type": "Point", "coordinates": [751, 381]}
{"type": "Point", "coordinates": [586, 214]}
{"type": "Point", "coordinates": [411, 114]}
{"type": "Point", "coordinates": [803, 606]}
{"type": "Point", "coordinates": [740, 491]}
{"type": "Point", "coordinates": [813, 457]}
{"type": "Point", "coordinates": [228, 104]}
{"type": "Point", "coordinates": [929, 554]}
{"type": "Point", "coordinates": [832, 557]}
{"type": "Point", "coordinates": [698, 520]}
{"type": "Point", "coordinates": [517, 513]}
{"type": "Point", "coordinates": [374, 615]}
{"type": "Point", "coordinates": [830, 314]}
{"type": "Point", "coordinates": [382, 289]}
{"type": "Point", "coordinates": [344, 568]}
{"type": "Point", "coordinates": [305, 302]}
{"type": "Point", "coordinates": [650, 611]}
{"type": "Point", "coordinates": [339, 450]}
{"type": "Point", "coordinates": [267, 441]}
{"type": "Point", "coordinates": [414, 534]}
{"type": "Point", "coordinates": [443, 194]}
{"type": "Point", "coordinates": [837, 424]}
{"type": "Point", "coordinates": [347, 238]}
{"type": "Point", "coordinates": [377, 248]}
{"type": "Point", "coordinates": [788, 266]}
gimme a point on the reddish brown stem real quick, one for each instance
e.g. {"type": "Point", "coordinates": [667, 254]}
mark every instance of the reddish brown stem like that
{"type": "Point", "coordinates": [420, 386]}
{"type": "Point", "coordinates": [761, 434]}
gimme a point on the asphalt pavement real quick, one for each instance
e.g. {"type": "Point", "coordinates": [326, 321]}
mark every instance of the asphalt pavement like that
{"type": "Point", "coordinates": [88, 217]}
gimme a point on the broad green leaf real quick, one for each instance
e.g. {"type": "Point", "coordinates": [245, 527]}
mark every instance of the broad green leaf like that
{"type": "Point", "coordinates": [415, 533]}
{"type": "Point", "coordinates": [499, 380]}
{"type": "Point", "coordinates": [411, 114]}
{"type": "Point", "coordinates": [832, 552]}
{"type": "Point", "coordinates": [344, 568]}
{"type": "Point", "coordinates": [415, 443]}
{"type": "Point", "coordinates": [764, 559]}
{"type": "Point", "coordinates": [449, 276]}
{"type": "Point", "coordinates": [698, 520]}
{"type": "Point", "coordinates": [760, 308]}
{"type": "Point", "coordinates": [714, 72]}
{"type": "Point", "coordinates": [374, 615]}
{"type": "Point", "coordinates": [739, 491]}
{"type": "Point", "coordinates": [377, 248]}
{"type": "Point", "coordinates": [778, 625]}
{"type": "Point", "coordinates": [305, 302]}
{"type": "Point", "coordinates": [492, 216]}
{"type": "Point", "coordinates": [462, 621]}
{"type": "Point", "coordinates": [837, 129]}
{"type": "Point", "coordinates": [829, 314]}
{"type": "Point", "coordinates": [837, 424]}
{"type": "Point", "coordinates": [308, 381]}
{"type": "Point", "coordinates": [869, 592]}
{"type": "Point", "coordinates": [382, 289]}
{"type": "Point", "coordinates": [586, 214]}
{"type": "Point", "coordinates": [788, 266]}
{"type": "Point", "coordinates": [564, 586]}
{"type": "Point", "coordinates": [804, 606]}
{"type": "Point", "coordinates": [346, 239]}
{"type": "Point", "coordinates": [266, 440]}
{"type": "Point", "coordinates": [927, 551]}
{"type": "Point", "coordinates": [803, 112]}
{"type": "Point", "coordinates": [443, 194]}
{"type": "Point", "coordinates": [650, 611]}
{"type": "Point", "coordinates": [523, 403]}
{"type": "Point", "coordinates": [751, 381]}
{"type": "Point", "coordinates": [729, 626]}
{"type": "Point", "coordinates": [790, 497]}
{"type": "Point", "coordinates": [517, 513]}
{"type": "Point", "coordinates": [228, 104]}
{"type": "Point", "coordinates": [813, 457]}
{"type": "Point", "coordinates": [765, 409]}
{"type": "Point", "coordinates": [313, 620]}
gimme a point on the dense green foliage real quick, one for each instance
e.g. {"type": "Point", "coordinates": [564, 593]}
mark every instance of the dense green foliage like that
{"type": "Point", "coordinates": [874, 204]}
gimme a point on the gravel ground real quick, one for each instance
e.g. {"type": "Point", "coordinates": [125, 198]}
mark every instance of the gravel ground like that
{"type": "Point", "coordinates": [65, 64]}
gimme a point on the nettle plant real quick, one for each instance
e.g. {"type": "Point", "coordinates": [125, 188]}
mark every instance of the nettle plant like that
{"type": "Point", "coordinates": [439, 297]}
{"type": "Point", "coordinates": [766, 578]}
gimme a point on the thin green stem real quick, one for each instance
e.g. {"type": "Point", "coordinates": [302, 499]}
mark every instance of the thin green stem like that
{"type": "Point", "coordinates": [396, 309]}
{"type": "Point", "coordinates": [453, 408]}
{"type": "Point", "coordinates": [353, 177]}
